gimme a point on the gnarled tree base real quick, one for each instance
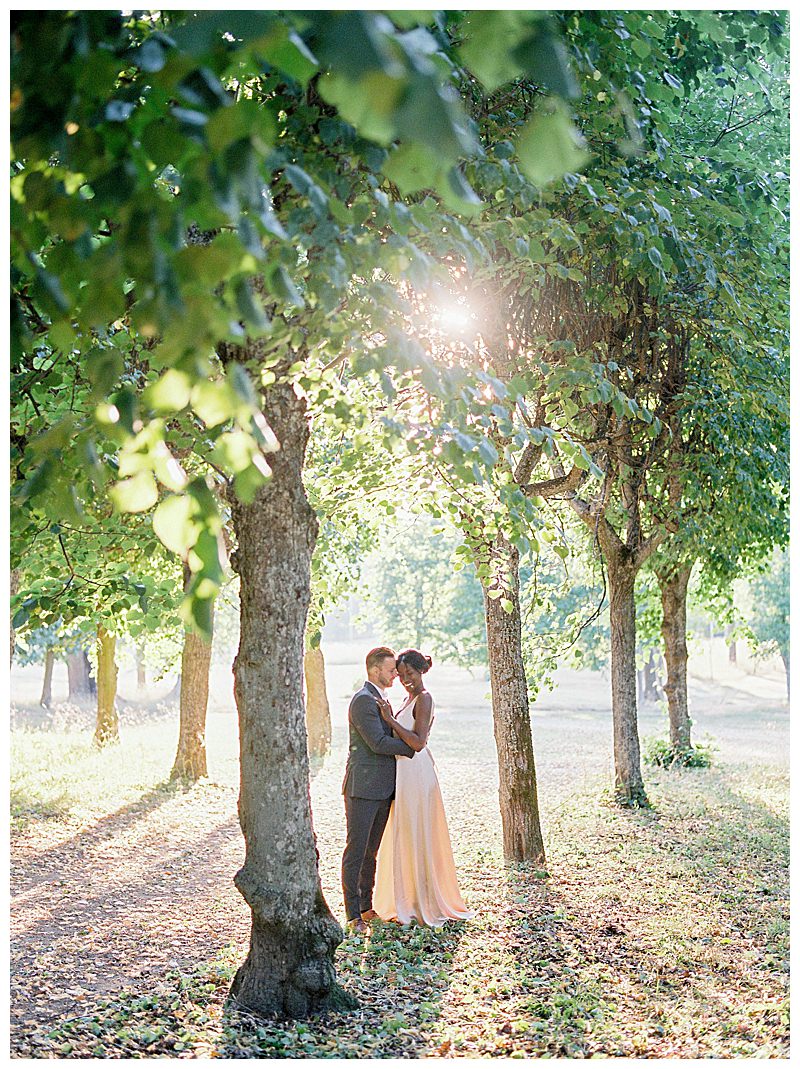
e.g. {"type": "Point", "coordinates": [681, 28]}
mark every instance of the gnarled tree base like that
{"type": "Point", "coordinates": [631, 797]}
{"type": "Point", "coordinates": [288, 971]}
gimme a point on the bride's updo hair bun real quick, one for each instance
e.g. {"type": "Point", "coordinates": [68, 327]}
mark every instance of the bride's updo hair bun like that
{"type": "Point", "coordinates": [420, 662]}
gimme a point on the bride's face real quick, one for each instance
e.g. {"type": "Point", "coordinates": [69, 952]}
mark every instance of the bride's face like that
{"type": "Point", "coordinates": [410, 678]}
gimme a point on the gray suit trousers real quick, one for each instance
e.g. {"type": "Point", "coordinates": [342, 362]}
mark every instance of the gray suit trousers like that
{"type": "Point", "coordinates": [366, 820]}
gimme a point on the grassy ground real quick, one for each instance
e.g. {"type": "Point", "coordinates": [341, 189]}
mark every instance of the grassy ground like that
{"type": "Point", "coordinates": [656, 933]}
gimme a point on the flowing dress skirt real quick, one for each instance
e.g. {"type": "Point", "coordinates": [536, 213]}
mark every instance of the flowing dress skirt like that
{"type": "Point", "coordinates": [416, 874]}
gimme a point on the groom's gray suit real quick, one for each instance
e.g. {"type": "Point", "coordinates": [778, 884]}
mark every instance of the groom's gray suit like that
{"type": "Point", "coordinates": [368, 791]}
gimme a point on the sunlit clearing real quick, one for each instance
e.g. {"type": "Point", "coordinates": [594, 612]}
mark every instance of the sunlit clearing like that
{"type": "Point", "coordinates": [454, 319]}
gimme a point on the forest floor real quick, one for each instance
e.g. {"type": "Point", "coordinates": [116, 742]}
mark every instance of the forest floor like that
{"type": "Point", "coordinates": [653, 933]}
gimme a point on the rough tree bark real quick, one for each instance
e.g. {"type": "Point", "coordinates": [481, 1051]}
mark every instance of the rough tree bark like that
{"type": "Point", "coordinates": [190, 759]}
{"type": "Point", "coordinates": [318, 711]}
{"type": "Point", "coordinates": [79, 675]}
{"type": "Point", "coordinates": [47, 683]}
{"type": "Point", "coordinates": [107, 729]}
{"type": "Point", "coordinates": [674, 583]}
{"type": "Point", "coordinates": [628, 782]}
{"type": "Point", "coordinates": [289, 967]}
{"type": "Point", "coordinates": [519, 803]}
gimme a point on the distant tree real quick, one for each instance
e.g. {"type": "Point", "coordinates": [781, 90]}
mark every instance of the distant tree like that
{"type": "Point", "coordinates": [419, 598]}
{"type": "Point", "coordinates": [769, 615]}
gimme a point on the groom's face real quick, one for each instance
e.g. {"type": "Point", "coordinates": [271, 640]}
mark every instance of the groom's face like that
{"type": "Point", "coordinates": [387, 672]}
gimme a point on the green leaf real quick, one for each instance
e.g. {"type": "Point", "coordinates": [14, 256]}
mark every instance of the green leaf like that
{"type": "Point", "coordinates": [174, 524]}
{"type": "Point", "coordinates": [135, 495]}
{"type": "Point", "coordinates": [545, 59]}
{"type": "Point", "coordinates": [104, 367]}
{"type": "Point", "coordinates": [285, 49]}
{"type": "Point", "coordinates": [250, 307]}
{"type": "Point", "coordinates": [245, 119]}
{"type": "Point", "coordinates": [204, 556]}
{"type": "Point", "coordinates": [250, 480]}
{"type": "Point", "coordinates": [412, 167]}
{"type": "Point", "coordinates": [654, 256]}
{"type": "Point", "coordinates": [170, 393]}
{"type": "Point", "coordinates": [489, 40]}
{"type": "Point", "coordinates": [215, 402]}
{"type": "Point", "coordinates": [550, 146]}
{"type": "Point", "coordinates": [281, 285]}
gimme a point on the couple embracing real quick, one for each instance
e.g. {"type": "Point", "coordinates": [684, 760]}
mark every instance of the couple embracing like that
{"type": "Point", "coordinates": [398, 862]}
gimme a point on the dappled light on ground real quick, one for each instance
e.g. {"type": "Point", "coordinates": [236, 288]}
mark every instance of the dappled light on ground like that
{"type": "Point", "coordinates": [660, 933]}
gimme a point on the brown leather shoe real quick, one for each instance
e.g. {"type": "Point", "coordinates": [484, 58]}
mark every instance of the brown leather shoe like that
{"type": "Point", "coordinates": [369, 915]}
{"type": "Point", "coordinates": [357, 927]}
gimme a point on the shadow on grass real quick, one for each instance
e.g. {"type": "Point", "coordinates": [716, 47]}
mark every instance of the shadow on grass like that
{"type": "Point", "coordinates": [111, 824]}
{"type": "Point", "coordinates": [398, 976]}
{"type": "Point", "coordinates": [26, 809]}
{"type": "Point", "coordinates": [672, 945]}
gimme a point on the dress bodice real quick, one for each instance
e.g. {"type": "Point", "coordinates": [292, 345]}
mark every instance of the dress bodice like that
{"type": "Point", "coordinates": [406, 717]}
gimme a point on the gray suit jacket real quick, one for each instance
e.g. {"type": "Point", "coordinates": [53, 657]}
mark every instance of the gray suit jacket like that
{"type": "Point", "coordinates": [370, 771]}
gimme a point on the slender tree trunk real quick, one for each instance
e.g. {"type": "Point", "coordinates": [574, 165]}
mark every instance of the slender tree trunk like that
{"type": "Point", "coordinates": [47, 683]}
{"type": "Point", "coordinates": [190, 759]}
{"type": "Point", "coordinates": [649, 691]}
{"type": "Point", "coordinates": [175, 692]}
{"type": "Point", "coordinates": [318, 711]}
{"type": "Point", "coordinates": [732, 658]}
{"type": "Point", "coordinates": [107, 729]}
{"type": "Point", "coordinates": [787, 665]}
{"type": "Point", "coordinates": [289, 969]}
{"type": "Point", "coordinates": [141, 672]}
{"type": "Point", "coordinates": [674, 585]}
{"type": "Point", "coordinates": [13, 589]}
{"type": "Point", "coordinates": [519, 803]}
{"type": "Point", "coordinates": [628, 783]}
{"type": "Point", "coordinates": [79, 675]}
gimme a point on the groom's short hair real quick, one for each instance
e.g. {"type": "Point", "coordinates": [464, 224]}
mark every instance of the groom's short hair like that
{"type": "Point", "coordinates": [380, 653]}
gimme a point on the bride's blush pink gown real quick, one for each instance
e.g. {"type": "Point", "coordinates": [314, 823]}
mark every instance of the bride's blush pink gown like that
{"type": "Point", "coordinates": [416, 874]}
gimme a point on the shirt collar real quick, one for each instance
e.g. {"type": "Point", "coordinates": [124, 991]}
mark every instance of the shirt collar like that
{"type": "Point", "coordinates": [380, 690]}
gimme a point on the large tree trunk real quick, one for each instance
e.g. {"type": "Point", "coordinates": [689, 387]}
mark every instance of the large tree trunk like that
{"type": "Point", "coordinates": [107, 729]}
{"type": "Point", "coordinates": [318, 711]}
{"type": "Point", "coordinates": [519, 803]}
{"type": "Point", "coordinates": [289, 968]}
{"type": "Point", "coordinates": [628, 783]}
{"type": "Point", "coordinates": [674, 585]}
{"type": "Point", "coordinates": [79, 675]}
{"type": "Point", "coordinates": [47, 683]}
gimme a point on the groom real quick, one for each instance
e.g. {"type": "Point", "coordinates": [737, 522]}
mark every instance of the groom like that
{"type": "Point", "coordinates": [368, 786]}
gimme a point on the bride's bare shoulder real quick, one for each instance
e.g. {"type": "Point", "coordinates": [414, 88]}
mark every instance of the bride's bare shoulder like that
{"type": "Point", "coordinates": [424, 703]}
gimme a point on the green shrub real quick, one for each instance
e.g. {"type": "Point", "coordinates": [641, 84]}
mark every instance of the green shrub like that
{"type": "Point", "coordinates": [659, 751]}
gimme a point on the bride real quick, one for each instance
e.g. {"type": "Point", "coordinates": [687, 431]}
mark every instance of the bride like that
{"type": "Point", "coordinates": [416, 874]}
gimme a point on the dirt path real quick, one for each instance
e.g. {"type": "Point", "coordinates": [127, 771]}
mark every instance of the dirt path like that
{"type": "Point", "coordinates": [95, 909]}
{"type": "Point", "coordinates": [117, 900]}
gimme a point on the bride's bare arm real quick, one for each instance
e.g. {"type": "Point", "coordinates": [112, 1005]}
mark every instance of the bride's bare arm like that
{"type": "Point", "coordinates": [418, 738]}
